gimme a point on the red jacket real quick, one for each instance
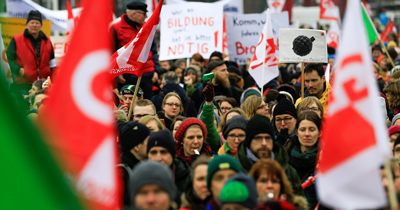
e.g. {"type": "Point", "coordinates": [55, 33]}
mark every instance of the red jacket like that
{"type": "Point", "coordinates": [26, 57]}
{"type": "Point", "coordinates": [125, 34]}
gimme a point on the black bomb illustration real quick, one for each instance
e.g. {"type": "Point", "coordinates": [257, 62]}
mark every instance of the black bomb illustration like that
{"type": "Point", "coordinates": [302, 45]}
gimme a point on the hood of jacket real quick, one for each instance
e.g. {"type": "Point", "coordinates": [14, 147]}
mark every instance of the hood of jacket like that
{"type": "Point", "coordinates": [177, 89]}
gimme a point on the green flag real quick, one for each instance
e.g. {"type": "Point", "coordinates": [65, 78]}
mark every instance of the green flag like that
{"type": "Point", "coordinates": [369, 28]}
{"type": "Point", "coordinates": [30, 177]}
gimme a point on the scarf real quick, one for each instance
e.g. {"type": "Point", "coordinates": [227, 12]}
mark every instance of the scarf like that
{"type": "Point", "coordinates": [205, 150]}
{"type": "Point", "coordinates": [253, 158]}
{"type": "Point", "coordinates": [304, 161]}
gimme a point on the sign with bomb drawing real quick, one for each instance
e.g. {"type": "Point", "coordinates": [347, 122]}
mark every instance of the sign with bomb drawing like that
{"type": "Point", "coordinates": [302, 45]}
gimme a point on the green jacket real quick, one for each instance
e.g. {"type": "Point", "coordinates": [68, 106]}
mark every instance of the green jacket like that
{"type": "Point", "coordinates": [212, 135]}
{"type": "Point", "coordinates": [281, 157]}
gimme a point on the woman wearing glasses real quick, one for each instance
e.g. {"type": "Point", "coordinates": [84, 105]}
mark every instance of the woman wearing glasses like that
{"type": "Point", "coordinates": [311, 103]}
{"type": "Point", "coordinates": [255, 105]}
{"type": "Point", "coordinates": [284, 123]}
{"type": "Point", "coordinates": [171, 107]}
{"type": "Point", "coordinates": [234, 133]}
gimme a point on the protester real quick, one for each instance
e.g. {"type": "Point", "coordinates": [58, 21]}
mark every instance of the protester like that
{"type": "Point", "coordinates": [30, 54]}
{"type": "Point", "coordinates": [36, 103]}
{"type": "Point", "coordinates": [304, 151]}
{"type": "Point", "coordinates": [314, 78]}
{"type": "Point", "coordinates": [271, 95]}
{"type": "Point", "coordinates": [171, 105]}
{"type": "Point", "coordinates": [234, 132]}
{"type": "Point", "coordinates": [392, 92]}
{"type": "Point", "coordinates": [194, 197]}
{"type": "Point", "coordinates": [396, 148]}
{"type": "Point", "coordinates": [394, 132]}
{"type": "Point", "coordinates": [36, 85]}
{"type": "Point", "coordinates": [153, 123]}
{"type": "Point", "coordinates": [127, 92]}
{"type": "Point", "coordinates": [198, 61]}
{"type": "Point", "coordinates": [167, 65]}
{"type": "Point", "coordinates": [284, 122]}
{"type": "Point", "coordinates": [161, 148]}
{"type": "Point", "coordinates": [143, 108]}
{"type": "Point", "coordinates": [310, 103]}
{"type": "Point", "coordinates": [219, 170]}
{"type": "Point", "coordinates": [259, 144]}
{"type": "Point", "coordinates": [376, 53]}
{"type": "Point", "coordinates": [229, 115]}
{"type": "Point", "coordinates": [190, 138]}
{"type": "Point", "coordinates": [239, 192]}
{"type": "Point", "coordinates": [378, 76]}
{"type": "Point", "coordinates": [192, 79]}
{"type": "Point", "coordinates": [216, 56]}
{"type": "Point", "coordinates": [151, 186]}
{"type": "Point", "coordinates": [289, 91]}
{"type": "Point", "coordinates": [249, 92]}
{"type": "Point", "coordinates": [395, 120]}
{"type": "Point", "coordinates": [278, 205]}
{"type": "Point", "coordinates": [175, 124]}
{"type": "Point", "coordinates": [180, 63]}
{"type": "Point", "coordinates": [227, 104]}
{"type": "Point", "coordinates": [125, 31]}
{"type": "Point", "coordinates": [179, 72]}
{"type": "Point", "coordinates": [254, 105]}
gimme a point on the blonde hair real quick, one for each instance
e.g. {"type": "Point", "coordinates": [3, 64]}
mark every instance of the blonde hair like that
{"type": "Point", "coordinates": [250, 105]}
{"type": "Point", "coordinates": [224, 121]}
{"type": "Point", "coordinates": [308, 101]}
{"type": "Point", "coordinates": [169, 95]}
{"type": "Point", "coordinates": [146, 119]}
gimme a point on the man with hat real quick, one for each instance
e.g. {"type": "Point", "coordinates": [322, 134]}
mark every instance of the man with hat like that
{"type": "Point", "coordinates": [161, 148]}
{"type": "Point", "coordinates": [127, 93]}
{"type": "Point", "coordinates": [125, 31]}
{"type": "Point", "coordinates": [30, 54]}
{"type": "Point", "coordinates": [284, 122]}
{"type": "Point", "coordinates": [259, 143]}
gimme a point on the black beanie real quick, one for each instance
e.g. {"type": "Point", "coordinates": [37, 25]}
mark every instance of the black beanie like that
{"type": "Point", "coordinates": [258, 124]}
{"type": "Point", "coordinates": [162, 138]}
{"type": "Point", "coordinates": [34, 15]}
{"type": "Point", "coordinates": [284, 106]}
{"type": "Point", "coordinates": [131, 134]}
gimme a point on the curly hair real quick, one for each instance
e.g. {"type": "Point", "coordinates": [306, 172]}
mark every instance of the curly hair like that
{"type": "Point", "coordinates": [393, 88]}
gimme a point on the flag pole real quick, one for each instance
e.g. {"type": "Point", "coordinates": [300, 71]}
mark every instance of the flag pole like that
{"type": "Point", "coordinates": [302, 80]}
{"type": "Point", "coordinates": [391, 191]}
{"type": "Point", "coordinates": [134, 98]}
{"type": "Point", "coordinates": [262, 80]}
{"type": "Point", "coordinates": [377, 34]}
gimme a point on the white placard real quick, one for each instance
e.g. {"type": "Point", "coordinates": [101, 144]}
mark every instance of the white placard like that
{"type": "Point", "coordinates": [316, 53]}
{"type": "Point", "coordinates": [230, 6]}
{"type": "Point", "coordinates": [190, 28]}
{"type": "Point", "coordinates": [244, 32]}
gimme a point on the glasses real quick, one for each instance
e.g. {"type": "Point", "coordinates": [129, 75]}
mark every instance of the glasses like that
{"type": "Point", "coordinates": [226, 108]}
{"type": "Point", "coordinates": [259, 139]}
{"type": "Point", "coordinates": [286, 120]}
{"type": "Point", "coordinates": [172, 104]}
{"type": "Point", "coordinates": [314, 109]}
{"type": "Point", "coordinates": [241, 137]}
{"type": "Point", "coordinates": [263, 106]}
{"type": "Point", "coordinates": [140, 116]}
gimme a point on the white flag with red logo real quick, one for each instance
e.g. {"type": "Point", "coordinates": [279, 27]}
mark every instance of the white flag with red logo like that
{"type": "Point", "coordinates": [78, 113]}
{"type": "Point", "coordinates": [131, 57]}
{"type": "Point", "coordinates": [328, 10]}
{"type": "Point", "coordinates": [354, 143]}
{"type": "Point", "coordinates": [333, 36]}
{"type": "Point", "coordinates": [264, 58]}
{"type": "Point", "coordinates": [276, 6]}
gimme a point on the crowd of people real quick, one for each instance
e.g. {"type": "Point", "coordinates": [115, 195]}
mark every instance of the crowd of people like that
{"type": "Point", "coordinates": [194, 144]}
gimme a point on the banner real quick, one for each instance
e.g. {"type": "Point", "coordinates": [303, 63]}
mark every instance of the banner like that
{"type": "Point", "coordinates": [230, 6]}
{"type": "Point", "coordinates": [60, 45]}
{"type": "Point", "coordinates": [58, 18]}
{"type": "Point", "coordinates": [244, 31]}
{"type": "Point", "coordinates": [190, 28]}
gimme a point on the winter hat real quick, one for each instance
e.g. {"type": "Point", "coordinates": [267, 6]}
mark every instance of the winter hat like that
{"type": "Point", "coordinates": [237, 121]}
{"type": "Point", "coordinates": [151, 173]}
{"type": "Point", "coordinates": [34, 15]}
{"type": "Point", "coordinates": [276, 205]}
{"type": "Point", "coordinates": [284, 106]}
{"type": "Point", "coordinates": [131, 134]}
{"type": "Point", "coordinates": [258, 124]}
{"type": "Point", "coordinates": [396, 117]}
{"type": "Point", "coordinates": [137, 5]}
{"type": "Point", "coordinates": [289, 90]}
{"type": "Point", "coordinates": [240, 189]}
{"type": "Point", "coordinates": [249, 92]}
{"type": "Point", "coordinates": [233, 69]}
{"type": "Point", "coordinates": [394, 129]}
{"type": "Point", "coordinates": [214, 64]}
{"type": "Point", "coordinates": [130, 90]}
{"type": "Point", "coordinates": [221, 162]}
{"type": "Point", "coordinates": [184, 126]}
{"type": "Point", "coordinates": [393, 54]}
{"type": "Point", "coordinates": [162, 138]}
{"type": "Point", "coordinates": [391, 44]}
{"type": "Point", "coordinates": [218, 54]}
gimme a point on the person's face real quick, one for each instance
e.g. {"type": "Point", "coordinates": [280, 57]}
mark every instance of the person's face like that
{"type": "Point", "coordinates": [268, 184]}
{"type": "Point", "coordinates": [284, 121]}
{"type": "Point", "coordinates": [261, 145]}
{"type": "Point", "coordinates": [312, 107]}
{"type": "Point", "coordinates": [160, 154]}
{"type": "Point", "coordinates": [176, 125]}
{"type": "Point", "coordinates": [308, 133]}
{"type": "Point", "coordinates": [331, 61]}
{"type": "Point", "coordinates": [182, 65]}
{"type": "Point", "coordinates": [393, 138]}
{"type": "Point", "coordinates": [397, 122]}
{"type": "Point", "coordinates": [314, 83]}
{"type": "Point", "coordinates": [179, 71]}
{"type": "Point", "coordinates": [233, 206]}
{"type": "Point", "coordinates": [389, 97]}
{"type": "Point", "coordinates": [200, 182]}
{"type": "Point", "coordinates": [197, 63]}
{"type": "Point", "coordinates": [34, 27]}
{"type": "Point", "coordinates": [221, 73]}
{"type": "Point", "coordinates": [262, 109]}
{"type": "Point", "coordinates": [235, 136]}
{"type": "Point", "coordinates": [376, 54]}
{"type": "Point", "coordinates": [230, 115]}
{"type": "Point", "coordinates": [225, 106]}
{"type": "Point", "coordinates": [192, 76]}
{"type": "Point", "coordinates": [218, 181]}
{"type": "Point", "coordinates": [33, 90]}
{"type": "Point", "coordinates": [128, 99]}
{"type": "Point", "coordinates": [193, 140]}
{"type": "Point", "coordinates": [142, 149]}
{"type": "Point", "coordinates": [172, 106]}
{"type": "Point", "coordinates": [165, 65]}
{"type": "Point", "coordinates": [139, 16]}
{"type": "Point", "coordinates": [383, 63]}
{"type": "Point", "coordinates": [38, 100]}
{"type": "Point", "coordinates": [396, 151]}
{"type": "Point", "coordinates": [152, 197]}
{"type": "Point", "coordinates": [215, 58]}
{"type": "Point", "coordinates": [152, 125]}
{"type": "Point", "coordinates": [141, 111]}
{"type": "Point", "coordinates": [375, 72]}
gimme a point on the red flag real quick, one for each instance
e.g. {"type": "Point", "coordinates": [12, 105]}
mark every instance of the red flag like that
{"type": "Point", "coordinates": [79, 111]}
{"type": "Point", "coordinates": [288, 6]}
{"type": "Point", "coordinates": [131, 57]}
{"type": "Point", "coordinates": [388, 29]}
{"type": "Point", "coordinates": [328, 10]}
{"type": "Point", "coordinates": [70, 21]}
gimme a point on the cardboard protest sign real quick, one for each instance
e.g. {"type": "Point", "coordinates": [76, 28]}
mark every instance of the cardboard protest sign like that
{"type": "Point", "coordinates": [244, 31]}
{"type": "Point", "coordinates": [302, 45]}
{"type": "Point", "coordinates": [60, 45]}
{"type": "Point", "coordinates": [13, 26]}
{"type": "Point", "coordinates": [190, 28]}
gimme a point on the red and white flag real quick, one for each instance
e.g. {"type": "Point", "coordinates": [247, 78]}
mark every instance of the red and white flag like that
{"type": "Point", "coordinates": [388, 29]}
{"type": "Point", "coordinates": [276, 6]}
{"type": "Point", "coordinates": [333, 36]}
{"type": "Point", "coordinates": [367, 7]}
{"type": "Point", "coordinates": [264, 58]}
{"type": "Point", "coordinates": [131, 57]}
{"type": "Point", "coordinates": [71, 22]}
{"type": "Point", "coordinates": [151, 7]}
{"type": "Point", "coordinates": [328, 10]}
{"type": "Point", "coordinates": [78, 113]}
{"type": "Point", "coordinates": [354, 143]}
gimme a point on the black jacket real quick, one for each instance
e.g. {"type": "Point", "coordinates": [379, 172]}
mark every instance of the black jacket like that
{"type": "Point", "coordinates": [181, 171]}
